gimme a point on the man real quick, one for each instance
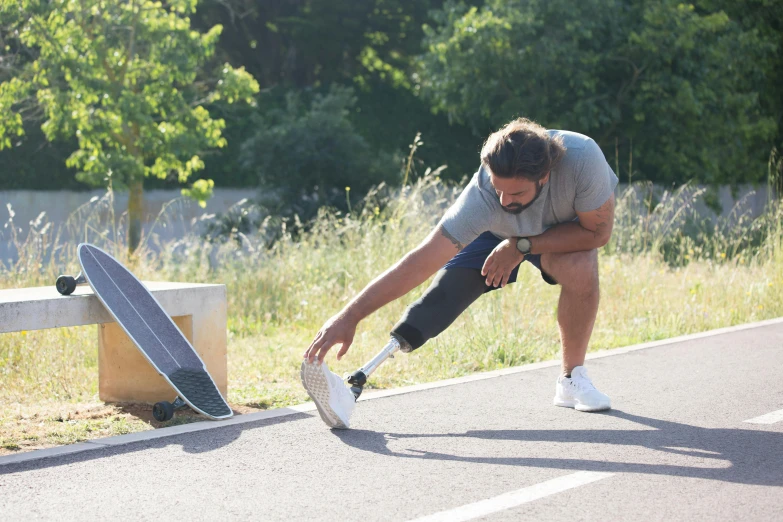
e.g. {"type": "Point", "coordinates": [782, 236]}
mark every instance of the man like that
{"type": "Point", "coordinates": [544, 197]}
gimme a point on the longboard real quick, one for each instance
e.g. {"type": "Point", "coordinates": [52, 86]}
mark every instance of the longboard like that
{"type": "Point", "coordinates": [152, 331]}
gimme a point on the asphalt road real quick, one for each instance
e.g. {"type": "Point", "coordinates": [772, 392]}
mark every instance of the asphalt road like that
{"type": "Point", "coordinates": [675, 446]}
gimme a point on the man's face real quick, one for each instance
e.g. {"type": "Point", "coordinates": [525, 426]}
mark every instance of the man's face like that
{"type": "Point", "coordinates": [517, 194]}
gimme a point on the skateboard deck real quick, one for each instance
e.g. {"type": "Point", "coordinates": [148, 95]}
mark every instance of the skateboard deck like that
{"type": "Point", "coordinates": [154, 333]}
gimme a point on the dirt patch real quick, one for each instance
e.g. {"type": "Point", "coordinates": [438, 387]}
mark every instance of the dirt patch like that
{"type": "Point", "coordinates": [38, 426]}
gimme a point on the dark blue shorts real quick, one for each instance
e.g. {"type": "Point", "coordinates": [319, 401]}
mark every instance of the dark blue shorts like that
{"type": "Point", "coordinates": [474, 255]}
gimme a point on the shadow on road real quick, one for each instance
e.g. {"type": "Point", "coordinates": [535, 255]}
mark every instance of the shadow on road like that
{"type": "Point", "coordinates": [192, 442]}
{"type": "Point", "coordinates": [751, 456]}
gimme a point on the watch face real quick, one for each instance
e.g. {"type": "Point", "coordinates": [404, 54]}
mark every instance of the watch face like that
{"type": "Point", "coordinates": [523, 245]}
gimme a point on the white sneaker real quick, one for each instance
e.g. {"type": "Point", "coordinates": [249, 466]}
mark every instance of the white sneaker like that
{"type": "Point", "coordinates": [335, 402]}
{"type": "Point", "coordinates": [578, 392]}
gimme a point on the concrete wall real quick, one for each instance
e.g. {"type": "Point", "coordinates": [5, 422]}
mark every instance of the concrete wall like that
{"type": "Point", "coordinates": [175, 221]}
{"type": "Point", "coordinates": [749, 200]}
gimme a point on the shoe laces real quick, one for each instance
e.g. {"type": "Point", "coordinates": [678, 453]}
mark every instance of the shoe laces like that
{"type": "Point", "coordinates": [583, 383]}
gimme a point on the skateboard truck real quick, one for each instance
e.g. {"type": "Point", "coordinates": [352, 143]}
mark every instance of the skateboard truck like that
{"type": "Point", "coordinates": [164, 410]}
{"type": "Point", "coordinates": [67, 284]}
{"type": "Point", "coordinates": [358, 379]}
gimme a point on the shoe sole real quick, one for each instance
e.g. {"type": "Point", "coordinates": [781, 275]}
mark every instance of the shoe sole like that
{"type": "Point", "coordinates": [580, 407]}
{"type": "Point", "coordinates": [314, 382]}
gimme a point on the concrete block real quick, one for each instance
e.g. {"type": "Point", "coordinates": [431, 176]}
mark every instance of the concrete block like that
{"type": "Point", "coordinates": [125, 375]}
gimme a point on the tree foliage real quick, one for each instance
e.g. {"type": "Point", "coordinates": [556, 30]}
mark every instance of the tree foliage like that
{"type": "Point", "coordinates": [128, 79]}
{"type": "Point", "coordinates": [312, 45]}
{"type": "Point", "coordinates": [765, 19]}
{"type": "Point", "coordinates": [675, 81]}
{"type": "Point", "coordinates": [687, 90]}
{"type": "Point", "coordinates": [307, 152]}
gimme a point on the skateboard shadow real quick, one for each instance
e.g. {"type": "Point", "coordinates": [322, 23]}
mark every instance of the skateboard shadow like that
{"type": "Point", "coordinates": [744, 456]}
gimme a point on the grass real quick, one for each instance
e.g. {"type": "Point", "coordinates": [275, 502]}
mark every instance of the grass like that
{"type": "Point", "coordinates": [666, 272]}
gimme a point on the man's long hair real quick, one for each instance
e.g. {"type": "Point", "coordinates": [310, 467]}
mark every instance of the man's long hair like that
{"type": "Point", "coordinates": [522, 148]}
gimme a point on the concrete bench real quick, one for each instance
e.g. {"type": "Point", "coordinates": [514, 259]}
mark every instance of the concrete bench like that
{"type": "Point", "coordinates": [198, 310]}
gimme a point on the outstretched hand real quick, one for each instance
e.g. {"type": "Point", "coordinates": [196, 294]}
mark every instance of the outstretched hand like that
{"type": "Point", "coordinates": [501, 262]}
{"type": "Point", "coordinates": [339, 329]}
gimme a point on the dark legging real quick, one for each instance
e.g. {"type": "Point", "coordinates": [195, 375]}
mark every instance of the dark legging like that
{"type": "Point", "coordinates": [451, 293]}
{"type": "Point", "coordinates": [455, 287]}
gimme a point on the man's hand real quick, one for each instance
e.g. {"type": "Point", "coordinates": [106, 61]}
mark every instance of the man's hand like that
{"type": "Point", "coordinates": [501, 262]}
{"type": "Point", "coordinates": [339, 329]}
{"type": "Point", "coordinates": [408, 273]}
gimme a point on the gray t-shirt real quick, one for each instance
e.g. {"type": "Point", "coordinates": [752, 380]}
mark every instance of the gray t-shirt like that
{"type": "Point", "coordinates": [581, 182]}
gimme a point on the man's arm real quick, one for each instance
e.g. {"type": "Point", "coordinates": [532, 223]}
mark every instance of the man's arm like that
{"type": "Point", "coordinates": [592, 231]}
{"type": "Point", "coordinates": [408, 273]}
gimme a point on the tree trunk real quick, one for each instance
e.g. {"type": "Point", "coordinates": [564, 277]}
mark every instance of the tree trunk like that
{"type": "Point", "coordinates": [135, 214]}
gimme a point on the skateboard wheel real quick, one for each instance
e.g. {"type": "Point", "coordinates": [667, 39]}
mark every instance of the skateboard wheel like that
{"type": "Point", "coordinates": [163, 411]}
{"type": "Point", "coordinates": [65, 285]}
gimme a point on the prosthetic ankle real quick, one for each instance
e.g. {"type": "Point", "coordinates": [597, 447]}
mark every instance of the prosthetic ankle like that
{"type": "Point", "coordinates": [358, 379]}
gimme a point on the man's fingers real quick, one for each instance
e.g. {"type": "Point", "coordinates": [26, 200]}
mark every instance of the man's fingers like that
{"type": "Point", "coordinates": [317, 347]}
{"type": "Point", "coordinates": [313, 344]}
{"type": "Point", "coordinates": [489, 272]}
{"type": "Point", "coordinates": [492, 277]}
{"type": "Point", "coordinates": [489, 265]}
{"type": "Point", "coordinates": [324, 350]}
{"type": "Point", "coordinates": [344, 349]}
{"type": "Point", "coordinates": [318, 337]}
{"type": "Point", "coordinates": [504, 282]}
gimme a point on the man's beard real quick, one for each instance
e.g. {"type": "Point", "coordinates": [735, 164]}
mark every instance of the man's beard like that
{"type": "Point", "coordinates": [516, 208]}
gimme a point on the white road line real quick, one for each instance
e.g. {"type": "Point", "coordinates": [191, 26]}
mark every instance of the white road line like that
{"type": "Point", "coordinates": [769, 418]}
{"type": "Point", "coordinates": [515, 498]}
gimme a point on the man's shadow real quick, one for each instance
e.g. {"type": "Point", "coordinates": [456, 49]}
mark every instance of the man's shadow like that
{"type": "Point", "coordinates": [747, 456]}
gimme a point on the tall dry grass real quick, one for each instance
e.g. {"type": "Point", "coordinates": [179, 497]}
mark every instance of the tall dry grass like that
{"type": "Point", "coordinates": [667, 271]}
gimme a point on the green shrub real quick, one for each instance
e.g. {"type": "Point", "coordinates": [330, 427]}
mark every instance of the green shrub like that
{"type": "Point", "coordinates": [307, 154]}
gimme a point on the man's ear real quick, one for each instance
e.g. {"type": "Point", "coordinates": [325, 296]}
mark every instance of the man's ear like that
{"type": "Point", "coordinates": [545, 179]}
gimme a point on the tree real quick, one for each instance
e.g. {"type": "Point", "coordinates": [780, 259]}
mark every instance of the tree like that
{"type": "Point", "coordinates": [311, 45]}
{"type": "Point", "coordinates": [307, 152]}
{"type": "Point", "coordinates": [128, 79]}
{"type": "Point", "coordinates": [678, 83]}
{"type": "Point", "coordinates": [764, 18]}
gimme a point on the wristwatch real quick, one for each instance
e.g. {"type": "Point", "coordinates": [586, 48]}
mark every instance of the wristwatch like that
{"type": "Point", "coordinates": [524, 245]}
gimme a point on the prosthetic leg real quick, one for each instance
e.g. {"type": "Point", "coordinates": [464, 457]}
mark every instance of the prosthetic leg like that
{"type": "Point", "coordinates": [451, 292]}
{"type": "Point", "coordinates": [358, 379]}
